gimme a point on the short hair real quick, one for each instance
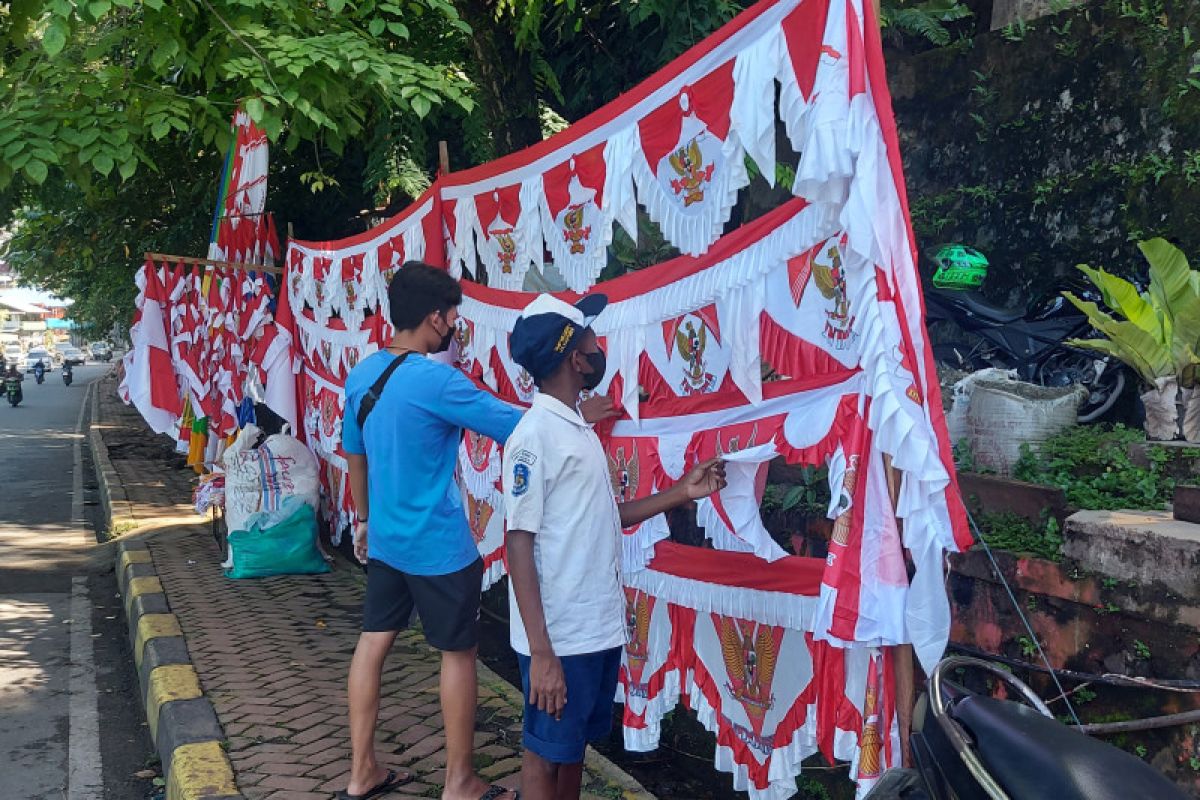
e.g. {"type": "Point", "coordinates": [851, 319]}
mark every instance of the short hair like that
{"type": "Point", "coordinates": [417, 290]}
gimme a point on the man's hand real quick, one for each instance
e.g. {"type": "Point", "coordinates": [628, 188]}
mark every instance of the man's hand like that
{"type": "Point", "coordinates": [598, 408]}
{"type": "Point", "coordinates": [704, 479]}
{"type": "Point", "coordinates": [547, 685]}
{"type": "Point", "coordinates": [360, 542]}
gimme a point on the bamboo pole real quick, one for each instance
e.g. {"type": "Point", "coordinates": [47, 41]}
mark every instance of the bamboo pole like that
{"type": "Point", "coordinates": [903, 671]}
{"type": "Point", "coordinates": [208, 262]}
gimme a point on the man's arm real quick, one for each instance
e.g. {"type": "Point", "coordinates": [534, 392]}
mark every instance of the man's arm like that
{"type": "Point", "coordinates": [547, 686]}
{"type": "Point", "coordinates": [703, 480]}
{"type": "Point", "coordinates": [362, 501]}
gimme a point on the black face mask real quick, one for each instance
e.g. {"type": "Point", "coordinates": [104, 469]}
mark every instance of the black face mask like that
{"type": "Point", "coordinates": [444, 344]}
{"type": "Point", "coordinates": [599, 364]}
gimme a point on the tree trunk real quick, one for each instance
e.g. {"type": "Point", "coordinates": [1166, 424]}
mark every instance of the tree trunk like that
{"type": "Point", "coordinates": [504, 75]}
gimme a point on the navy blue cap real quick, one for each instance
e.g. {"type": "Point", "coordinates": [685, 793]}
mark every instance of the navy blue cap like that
{"type": "Point", "coordinates": [549, 329]}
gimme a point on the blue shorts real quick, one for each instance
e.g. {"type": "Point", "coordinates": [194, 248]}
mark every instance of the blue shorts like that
{"type": "Point", "coordinates": [587, 717]}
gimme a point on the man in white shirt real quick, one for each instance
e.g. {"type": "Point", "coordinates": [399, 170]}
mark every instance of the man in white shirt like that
{"type": "Point", "coordinates": [564, 543]}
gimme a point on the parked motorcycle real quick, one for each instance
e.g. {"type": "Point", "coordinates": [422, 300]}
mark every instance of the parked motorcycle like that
{"type": "Point", "coordinates": [12, 390]}
{"type": "Point", "coordinates": [1030, 341]}
{"type": "Point", "coordinates": [67, 374]}
{"type": "Point", "coordinates": [967, 746]}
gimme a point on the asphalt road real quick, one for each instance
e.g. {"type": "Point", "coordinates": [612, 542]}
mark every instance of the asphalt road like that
{"type": "Point", "coordinates": [71, 723]}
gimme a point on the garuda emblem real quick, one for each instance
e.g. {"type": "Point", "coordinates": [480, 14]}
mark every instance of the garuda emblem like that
{"type": "Point", "coordinates": [575, 233]}
{"type": "Point", "coordinates": [694, 174]}
{"type": "Point", "coordinates": [637, 628]}
{"type": "Point", "coordinates": [479, 514]}
{"type": "Point", "coordinates": [524, 383]}
{"type": "Point", "coordinates": [690, 343]}
{"type": "Point", "coordinates": [625, 474]}
{"type": "Point", "coordinates": [750, 652]}
{"type": "Point", "coordinates": [478, 450]}
{"type": "Point", "coordinates": [831, 280]}
{"type": "Point", "coordinates": [508, 249]}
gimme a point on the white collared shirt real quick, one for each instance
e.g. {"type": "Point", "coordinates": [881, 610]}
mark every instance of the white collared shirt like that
{"type": "Point", "coordinates": [557, 487]}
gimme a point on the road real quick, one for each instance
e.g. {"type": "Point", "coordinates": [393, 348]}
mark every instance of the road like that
{"type": "Point", "coordinates": [71, 724]}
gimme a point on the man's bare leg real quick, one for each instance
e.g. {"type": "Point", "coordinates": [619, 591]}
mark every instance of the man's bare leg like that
{"type": "Point", "coordinates": [366, 672]}
{"type": "Point", "coordinates": [539, 777]}
{"type": "Point", "coordinates": [570, 781]}
{"type": "Point", "coordinates": [460, 696]}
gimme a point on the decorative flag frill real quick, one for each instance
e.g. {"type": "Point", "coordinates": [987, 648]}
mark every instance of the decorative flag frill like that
{"type": "Point", "coordinates": [204, 340]}
{"type": "Point", "coordinates": [771, 692]}
{"type": "Point", "coordinates": [677, 144]}
{"type": "Point", "coordinates": [242, 230]}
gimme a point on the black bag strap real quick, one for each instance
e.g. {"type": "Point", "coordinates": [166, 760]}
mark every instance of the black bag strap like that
{"type": "Point", "coordinates": [372, 396]}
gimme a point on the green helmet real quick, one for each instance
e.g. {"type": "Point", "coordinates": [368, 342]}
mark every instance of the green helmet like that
{"type": "Point", "coordinates": [959, 267]}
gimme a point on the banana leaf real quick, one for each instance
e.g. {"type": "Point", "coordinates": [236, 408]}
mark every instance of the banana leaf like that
{"type": "Point", "coordinates": [1171, 286]}
{"type": "Point", "coordinates": [1123, 297]}
{"type": "Point", "coordinates": [1142, 351]}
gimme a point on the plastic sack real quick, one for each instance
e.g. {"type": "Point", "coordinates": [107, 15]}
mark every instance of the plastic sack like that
{"type": "Point", "coordinates": [262, 478]}
{"type": "Point", "coordinates": [287, 547]}
{"type": "Point", "coordinates": [956, 417]}
{"type": "Point", "coordinates": [1006, 414]}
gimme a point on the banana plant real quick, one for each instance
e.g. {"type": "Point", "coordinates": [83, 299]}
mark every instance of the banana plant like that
{"type": "Point", "coordinates": [1156, 332]}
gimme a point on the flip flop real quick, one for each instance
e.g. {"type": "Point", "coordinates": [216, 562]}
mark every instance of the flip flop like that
{"type": "Point", "coordinates": [392, 782]}
{"type": "Point", "coordinates": [495, 792]}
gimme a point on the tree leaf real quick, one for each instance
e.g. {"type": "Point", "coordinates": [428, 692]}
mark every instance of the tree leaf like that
{"type": "Point", "coordinates": [377, 26]}
{"type": "Point", "coordinates": [103, 163]}
{"type": "Point", "coordinates": [421, 105]}
{"type": "Point", "coordinates": [36, 171]}
{"type": "Point", "coordinates": [55, 38]}
{"type": "Point", "coordinates": [398, 29]}
{"type": "Point", "coordinates": [128, 168]}
{"type": "Point", "coordinates": [254, 107]}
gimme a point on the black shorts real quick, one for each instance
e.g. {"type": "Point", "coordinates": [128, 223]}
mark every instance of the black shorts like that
{"type": "Point", "coordinates": [448, 605]}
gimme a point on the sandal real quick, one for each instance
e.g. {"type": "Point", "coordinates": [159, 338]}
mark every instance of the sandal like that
{"type": "Point", "coordinates": [392, 782]}
{"type": "Point", "coordinates": [495, 792]}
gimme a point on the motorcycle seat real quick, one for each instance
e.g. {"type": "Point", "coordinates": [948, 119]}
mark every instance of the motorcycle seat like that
{"type": "Point", "coordinates": [975, 304]}
{"type": "Point", "coordinates": [1033, 756]}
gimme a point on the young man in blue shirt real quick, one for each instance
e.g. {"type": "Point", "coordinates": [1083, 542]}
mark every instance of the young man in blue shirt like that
{"type": "Point", "coordinates": [412, 531]}
{"type": "Point", "coordinates": [566, 604]}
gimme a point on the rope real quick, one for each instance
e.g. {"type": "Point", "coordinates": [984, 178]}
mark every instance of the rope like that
{"type": "Point", "coordinates": [1024, 620]}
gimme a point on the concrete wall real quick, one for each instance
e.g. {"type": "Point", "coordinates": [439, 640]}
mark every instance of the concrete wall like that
{"type": "Point", "coordinates": [1059, 142]}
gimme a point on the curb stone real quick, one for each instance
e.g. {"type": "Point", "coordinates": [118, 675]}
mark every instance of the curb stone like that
{"type": "Point", "coordinates": [182, 721]}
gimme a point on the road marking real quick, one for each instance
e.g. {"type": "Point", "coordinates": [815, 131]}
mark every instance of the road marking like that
{"type": "Point", "coordinates": [85, 780]}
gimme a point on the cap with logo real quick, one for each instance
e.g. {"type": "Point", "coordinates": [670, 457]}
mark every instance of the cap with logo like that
{"type": "Point", "coordinates": [549, 329]}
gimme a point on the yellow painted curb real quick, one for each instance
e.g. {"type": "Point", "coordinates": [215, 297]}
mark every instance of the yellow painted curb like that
{"type": "Point", "coordinates": [152, 626]}
{"type": "Point", "coordinates": [200, 770]}
{"type": "Point", "coordinates": [133, 557]}
{"type": "Point", "coordinates": [147, 584]}
{"type": "Point", "coordinates": [167, 683]}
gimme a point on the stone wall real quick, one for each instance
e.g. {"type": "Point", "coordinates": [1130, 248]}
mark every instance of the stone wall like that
{"type": "Point", "coordinates": [1059, 141]}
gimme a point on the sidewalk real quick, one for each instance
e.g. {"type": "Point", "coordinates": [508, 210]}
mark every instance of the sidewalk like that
{"type": "Point", "coordinates": [272, 657]}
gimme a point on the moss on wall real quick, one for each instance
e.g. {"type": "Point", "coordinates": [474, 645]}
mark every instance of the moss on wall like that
{"type": "Point", "coordinates": [1058, 142]}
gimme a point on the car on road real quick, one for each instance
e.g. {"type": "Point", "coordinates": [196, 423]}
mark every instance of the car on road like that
{"type": "Point", "coordinates": [72, 355]}
{"type": "Point", "coordinates": [101, 351]}
{"type": "Point", "coordinates": [39, 354]}
{"type": "Point", "coordinates": [13, 355]}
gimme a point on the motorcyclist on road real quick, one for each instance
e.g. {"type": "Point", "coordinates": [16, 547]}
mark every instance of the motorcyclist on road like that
{"type": "Point", "coordinates": [12, 381]}
{"type": "Point", "coordinates": [39, 371]}
{"type": "Point", "coordinates": [67, 374]}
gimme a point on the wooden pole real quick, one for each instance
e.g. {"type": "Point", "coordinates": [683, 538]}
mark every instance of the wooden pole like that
{"type": "Point", "coordinates": [443, 157]}
{"type": "Point", "coordinates": [208, 262]}
{"type": "Point", "coordinates": [903, 670]}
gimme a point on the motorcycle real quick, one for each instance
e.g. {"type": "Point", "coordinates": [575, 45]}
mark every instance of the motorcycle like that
{"type": "Point", "coordinates": [39, 372]}
{"type": "Point", "coordinates": [967, 745]}
{"type": "Point", "coordinates": [12, 390]}
{"type": "Point", "coordinates": [67, 375]}
{"type": "Point", "coordinates": [1030, 341]}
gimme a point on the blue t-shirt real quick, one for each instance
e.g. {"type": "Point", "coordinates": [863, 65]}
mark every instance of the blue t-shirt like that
{"type": "Point", "coordinates": [411, 443]}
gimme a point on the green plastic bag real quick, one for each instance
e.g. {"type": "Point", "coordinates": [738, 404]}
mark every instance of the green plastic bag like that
{"type": "Point", "coordinates": [288, 547]}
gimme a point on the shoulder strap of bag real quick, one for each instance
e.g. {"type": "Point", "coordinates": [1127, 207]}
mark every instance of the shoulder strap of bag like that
{"type": "Point", "coordinates": [372, 396]}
